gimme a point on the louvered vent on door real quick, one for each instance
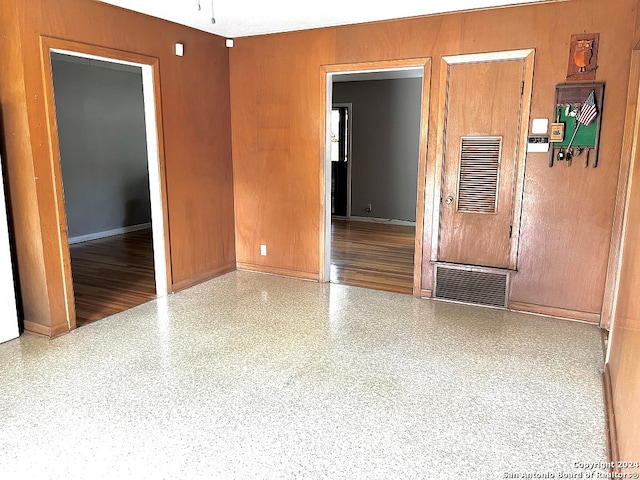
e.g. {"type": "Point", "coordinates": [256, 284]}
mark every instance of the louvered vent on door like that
{"type": "Point", "coordinates": [478, 182]}
{"type": "Point", "coordinates": [471, 285]}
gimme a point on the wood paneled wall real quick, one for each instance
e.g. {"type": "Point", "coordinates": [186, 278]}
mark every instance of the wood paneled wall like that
{"type": "Point", "coordinates": [624, 353]}
{"type": "Point", "coordinates": [567, 213]}
{"type": "Point", "coordinates": [277, 95]}
{"type": "Point", "coordinates": [194, 94]}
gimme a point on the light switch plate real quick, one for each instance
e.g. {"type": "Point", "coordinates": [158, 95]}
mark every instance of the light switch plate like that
{"type": "Point", "coordinates": [539, 126]}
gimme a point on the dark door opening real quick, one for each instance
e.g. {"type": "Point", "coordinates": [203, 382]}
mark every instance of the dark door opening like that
{"type": "Point", "coordinates": [339, 161]}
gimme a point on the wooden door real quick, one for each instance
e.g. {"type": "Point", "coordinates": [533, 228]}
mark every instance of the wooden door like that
{"type": "Point", "coordinates": [485, 128]}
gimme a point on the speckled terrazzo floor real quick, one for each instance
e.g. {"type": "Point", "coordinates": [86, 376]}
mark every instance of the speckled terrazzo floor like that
{"type": "Point", "coordinates": [252, 376]}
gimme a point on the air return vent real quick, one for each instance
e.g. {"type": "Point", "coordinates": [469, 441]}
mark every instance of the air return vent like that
{"type": "Point", "coordinates": [472, 285]}
{"type": "Point", "coordinates": [479, 167]}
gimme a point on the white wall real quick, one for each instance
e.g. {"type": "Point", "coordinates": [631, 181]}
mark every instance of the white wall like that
{"type": "Point", "coordinates": [8, 313]}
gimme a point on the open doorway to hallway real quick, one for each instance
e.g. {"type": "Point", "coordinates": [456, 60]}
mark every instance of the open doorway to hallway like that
{"type": "Point", "coordinates": [111, 184]}
{"type": "Point", "coordinates": [375, 150]}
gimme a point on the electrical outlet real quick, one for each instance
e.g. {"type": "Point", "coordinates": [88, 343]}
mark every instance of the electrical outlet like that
{"type": "Point", "coordinates": [368, 209]}
{"type": "Point", "coordinates": [263, 250]}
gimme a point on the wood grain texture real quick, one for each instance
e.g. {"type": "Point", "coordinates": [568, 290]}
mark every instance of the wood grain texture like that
{"type": "Point", "coordinates": [612, 435]}
{"type": "Point", "coordinates": [112, 274]}
{"type": "Point", "coordinates": [629, 145]}
{"type": "Point", "coordinates": [373, 255]}
{"type": "Point", "coordinates": [567, 213]}
{"type": "Point", "coordinates": [483, 99]}
{"type": "Point", "coordinates": [20, 177]}
{"type": "Point", "coordinates": [624, 349]}
{"type": "Point", "coordinates": [278, 111]}
{"type": "Point", "coordinates": [195, 128]}
{"type": "Point", "coordinates": [576, 315]}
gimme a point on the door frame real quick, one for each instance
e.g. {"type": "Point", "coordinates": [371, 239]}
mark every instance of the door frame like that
{"type": "Point", "coordinates": [528, 56]}
{"type": "Point", "coordinates": [349, 107]}
{"type": "Point", "coordinates": [155, 157]}
{"type": "Point", "coordinates": [327, 74]}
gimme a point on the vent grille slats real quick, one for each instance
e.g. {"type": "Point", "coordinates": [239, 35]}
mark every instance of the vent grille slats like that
{"type": "Point", "coordinates": [482, 288]}
{"type": "Point", "coordinates": [479, 168]}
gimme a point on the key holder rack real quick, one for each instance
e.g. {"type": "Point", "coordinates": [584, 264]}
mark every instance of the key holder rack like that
{"type": "Point", "coordinates": [571, 139]}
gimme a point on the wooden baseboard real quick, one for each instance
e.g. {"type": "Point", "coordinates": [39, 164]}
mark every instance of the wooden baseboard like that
{"type": "Point", "coordinates": [612, 434]}
{"type": "Point", "coordinates": [108, 233]}
{"type": "Point", "coordinates": [203, 277]}
{"type": "Point", "coordinates": [283, 272]}
{"type": "Point", "coordinates": [37, 329]}
{"type": "Point", "coordinates": [426, 293]}
{"type": "Point", "coordinates": [575, 315]}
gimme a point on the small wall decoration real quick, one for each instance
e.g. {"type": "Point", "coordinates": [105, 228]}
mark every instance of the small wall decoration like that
{"type": "Point", "coordinates": [576, 131]}
{"type": "Point", "coordinates": [583, 57]}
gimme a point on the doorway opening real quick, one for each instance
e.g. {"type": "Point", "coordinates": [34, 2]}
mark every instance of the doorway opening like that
{"type": "Point", "coordinates": [373, 168]}
{"type": "Point", "coordinates": [341, 160]}
{"type": "Point", "coordinates": [105, 112]}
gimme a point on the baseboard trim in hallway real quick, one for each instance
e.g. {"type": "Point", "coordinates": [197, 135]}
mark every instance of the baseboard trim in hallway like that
{"type": "Point", "coordinates": [612, 436]}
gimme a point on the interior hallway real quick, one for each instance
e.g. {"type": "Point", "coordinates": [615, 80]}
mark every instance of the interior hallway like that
{"type": "Point", "coordinates": [258, 376]}
{"type": "Point", "coordinates": [112, 274]}
{"type": "Point", "coordinates": [372, 255]}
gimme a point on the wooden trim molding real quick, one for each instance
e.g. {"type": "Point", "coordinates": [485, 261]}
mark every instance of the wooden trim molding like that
{"type": "Point", "coordinates": [47, 44]}
{"type": "Point", "coordinates": [575, 315]}
{"type": "Point", "coordinates": [282, 272]}
{"type": "Point", "coordinates": [376, 66]}
{"type": "Point", "coordinates": [426, 293]}
{"type": "Point", "coordinates": [612, 435]}
{"type": "Point", "coordinates": [422, 179]}
{"type": "Point", "coordinates": [204, 277]}
{"type": "Point", "coordinates": [37, 329]}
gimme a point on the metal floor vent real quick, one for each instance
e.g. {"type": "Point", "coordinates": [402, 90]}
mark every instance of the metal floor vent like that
{"type": "Point", "coordinates": [470, 285]}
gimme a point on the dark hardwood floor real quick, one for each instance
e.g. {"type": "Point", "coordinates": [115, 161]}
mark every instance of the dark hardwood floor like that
{"type": "Point", "coordinates": [112, 274]}
{"type": "Point", "coordinates": [116, 273]}
{"type": "Point", "coordinates": [372, 255]}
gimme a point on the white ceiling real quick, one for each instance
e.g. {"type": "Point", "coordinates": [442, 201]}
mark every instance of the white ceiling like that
{"type": "Point", "coordinates": [238, 18]}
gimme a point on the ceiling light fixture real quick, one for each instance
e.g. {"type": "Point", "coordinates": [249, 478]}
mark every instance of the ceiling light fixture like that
{"type": "Point", "coordinates": [213, 18]}
{"type": "Point", "coordinates": [199, 6]}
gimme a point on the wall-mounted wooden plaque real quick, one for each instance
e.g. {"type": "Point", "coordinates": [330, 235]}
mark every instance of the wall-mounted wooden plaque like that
{"type": "Point", "coordinates": [583, 57]}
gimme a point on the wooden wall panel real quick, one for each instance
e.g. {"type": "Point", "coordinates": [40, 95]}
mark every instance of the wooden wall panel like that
{"type": "Point", "coordinates": [15, 143]}
{"type": "Point", "coordinates": [567, 212]}
{"type": "Point", "coordinates": [624, 359]}
{"type": "Point", "coordinates": [624, 349]}
{"type": "Point", "coordinates": [277, 95]}
{"type": "Point", "coordinates": [196, 132]}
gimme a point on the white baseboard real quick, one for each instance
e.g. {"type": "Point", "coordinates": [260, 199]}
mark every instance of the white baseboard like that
{"type": "Point", "coordinates": [389, 221]}
{"type": "Point", "coordinates": [108, 233]}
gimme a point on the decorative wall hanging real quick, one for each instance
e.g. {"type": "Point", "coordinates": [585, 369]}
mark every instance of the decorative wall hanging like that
{"type": "Point", "coordinates": [583, 57]}
{"type": "Point", "coordinates": [576, 131]}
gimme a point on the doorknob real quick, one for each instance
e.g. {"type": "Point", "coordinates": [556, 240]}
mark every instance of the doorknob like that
{"type": "Point", "coordinates": [449, 200]}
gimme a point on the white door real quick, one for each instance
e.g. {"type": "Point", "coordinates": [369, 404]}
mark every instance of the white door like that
{"type": "Point", "coordinates": [8, 312]}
